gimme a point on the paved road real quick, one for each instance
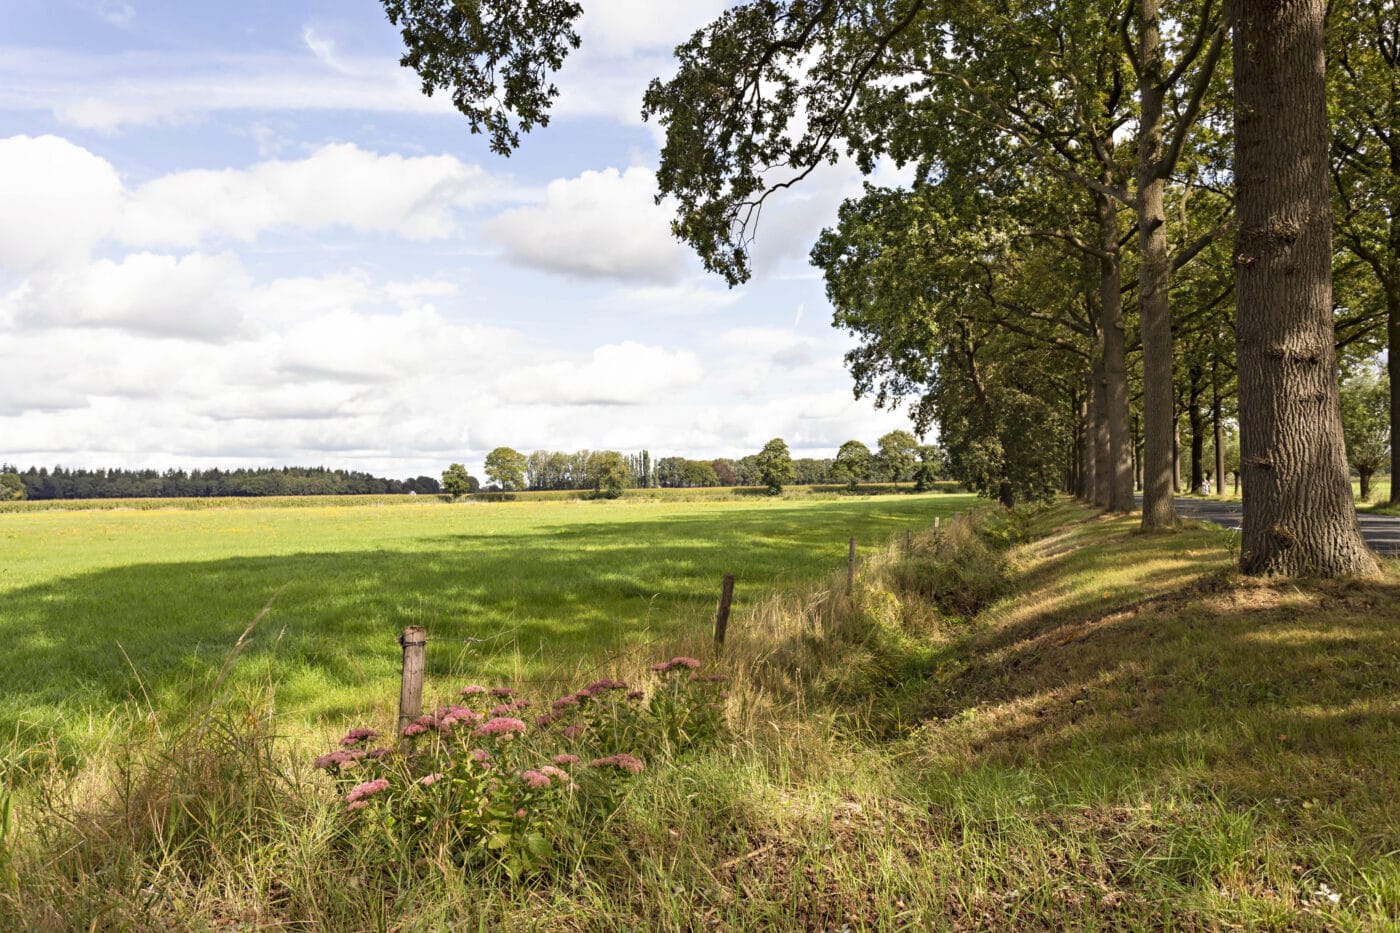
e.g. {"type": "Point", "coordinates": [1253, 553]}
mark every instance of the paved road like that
{"type": "Point", "coordinates": [1382, 532]}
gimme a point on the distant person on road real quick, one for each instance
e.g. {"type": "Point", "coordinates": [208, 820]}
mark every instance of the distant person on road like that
{"type": "Point", "coordinates": [1205, 487]}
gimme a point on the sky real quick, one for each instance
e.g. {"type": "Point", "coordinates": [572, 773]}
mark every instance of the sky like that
{"type": "Point", "coordinates": [240, 235]}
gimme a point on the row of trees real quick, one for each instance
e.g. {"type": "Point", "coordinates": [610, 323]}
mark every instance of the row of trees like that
{"type": "Point", "coordinates": [1057, 289]}
{"type": "Point", "coordinates": [898, 458]}
{"type": "Point", "coordinates": [61, 483]}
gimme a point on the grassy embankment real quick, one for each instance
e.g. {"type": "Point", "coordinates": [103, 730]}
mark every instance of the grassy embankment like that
{"type": "Point", "coordinates": [99, 606]}
{"type": "Point", "coordinates": [1057, 723]}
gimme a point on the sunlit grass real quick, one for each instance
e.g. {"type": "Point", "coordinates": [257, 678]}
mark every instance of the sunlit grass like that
{"type": "Point", "coordinates": [98, 607]}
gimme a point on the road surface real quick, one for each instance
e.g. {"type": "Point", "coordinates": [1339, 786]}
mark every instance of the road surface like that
{"type": "Point", "coordinates": [1382, 532]}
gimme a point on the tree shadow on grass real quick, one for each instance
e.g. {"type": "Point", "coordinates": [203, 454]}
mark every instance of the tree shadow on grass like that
{"type": "Point", "coordinates": [1173, 675]}
{"type": "Point", "coordinates": [539, 604]}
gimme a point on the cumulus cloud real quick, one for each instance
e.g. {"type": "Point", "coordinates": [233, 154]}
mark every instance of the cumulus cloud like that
{"type": "Point", "coordinates": [597, 225]}
{"type": "Point", "coordinates": [193, 296]}
{"type": "Point", "coordinates": [627, 373]}
{"type": "Point", "coordinates": [62, 200]}
{"type": "Point", "coordinates": [59, 200]}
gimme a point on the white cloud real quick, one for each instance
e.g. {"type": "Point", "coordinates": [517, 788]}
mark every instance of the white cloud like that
{"type": "Point", "coordinates": [627, 373]}
{"type": "Point", "coordinates": [598, 225]}
{"type": "Point", "coordinates": [132, 89]}
{"type": "Point", "coordinates": [194, 296]}
{"type": "Point", "coordinates": [59, 199]}
{"type": "Point", "coordinates": [62, 200]}
{"type": "Point", "coordinates": [684, 298]}
{"type": "Point", "coordinates": [116, 13]}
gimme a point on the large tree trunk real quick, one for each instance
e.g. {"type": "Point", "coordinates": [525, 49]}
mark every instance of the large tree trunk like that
{"type": "Point", "coordinates": [1365, 484]}
{"type": "Point", "coordinates": [1103, 472]}
{"type": "Point", "coordinates": [1219, 429]}
{"type": "Point", "coordinates": [1154, 269]}
{"type": "Point", "coordinates": [1115, 359]}
{"type": "Point", "coordinates": [1086, 440]}
{"type": "Point", "coordinates": [1392, 330]}
{"type": "Point", "coordinates": [1176, 452]}
{"type": "Point", "coordinates": [1298, 512]}
{"type": "Point", "coordinates": [1198, 431]}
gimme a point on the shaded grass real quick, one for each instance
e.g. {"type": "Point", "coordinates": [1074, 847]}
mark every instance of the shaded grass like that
{"type": "Point", "coordinates": [107, 606]}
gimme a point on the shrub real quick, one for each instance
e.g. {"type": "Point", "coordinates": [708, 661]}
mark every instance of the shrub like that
{"type": "Point", "coordinates": [478, 784]}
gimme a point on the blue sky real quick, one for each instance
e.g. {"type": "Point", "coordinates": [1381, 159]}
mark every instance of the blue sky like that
{"type": "Point", "coordinates": [238, 234]}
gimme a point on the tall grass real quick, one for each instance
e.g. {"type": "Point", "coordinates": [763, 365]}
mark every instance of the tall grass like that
{"type": "Point", "coordinates": [1112, 734]}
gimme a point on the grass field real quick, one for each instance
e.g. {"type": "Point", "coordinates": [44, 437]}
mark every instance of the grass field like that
{"type": "Point", "coordinates": [98, 607]}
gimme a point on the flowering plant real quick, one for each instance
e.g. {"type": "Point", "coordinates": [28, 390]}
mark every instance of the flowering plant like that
{"type": "Point", "coordinates": [480, 783]}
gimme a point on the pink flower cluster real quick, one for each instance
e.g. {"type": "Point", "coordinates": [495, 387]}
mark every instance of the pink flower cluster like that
{"type": "Point", "coordinates": [504, 726]}
{"type": "Point", "coordinates": [502, 692]}
{"type": "Point", "coordinates": [622, 761]}
{"type": "Point", "coordinates": [565, 759]}
{"type": "Point", "coordinates": [442, 719]}
{"type": "Point", "coordinates": [339, 759]}
{"type": "Point", "coordinates": [357, 736]}
{"type": "Point", "coordinates": [473, 690]}
{"type": "Point", "coordinates": [355, 800]}
{"type": "Point", "coordinates": [505, 709]}
{"type": "Point", "coordinates": [535, 779]}
{"type": "Point", "coordinates": [664, 667]}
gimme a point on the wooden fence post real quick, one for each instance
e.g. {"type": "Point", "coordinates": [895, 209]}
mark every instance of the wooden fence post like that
{"type": "Point", "coordinates": [851, 568]}
{"type": "Point", "coordinates": [936, 520]}
{"type": "Point", "coordinates": [726, 595]}
{"type": "Point", "coordinates": [413, 640]}
{"type": "Point", "coordinates": [908, 541]}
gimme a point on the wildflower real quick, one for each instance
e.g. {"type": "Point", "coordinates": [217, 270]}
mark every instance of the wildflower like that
{"type": "Point", "coordinates": [623, 761]}
{"type": "Point", "coordinates": [504, 726]}
{"type": "Point", "coordinates": [548, 719]}
{"type": "Point", "coordinates": [636, 695]}
{"type": "Point", "coordinates": [685, 662]}
{"type": "Point", "coordinates": [428, 780]}
{"type": "Point", "coordinates": [574, 731]}
{"type": "Point", "coordinates": [599, 686]}
{"type": "Point", "coordinates": [473, 690]}
{"type": "Point", "coordinates": [356, 736]}
{"type": "Point", "coordinates": [502, 692]}
{"type": "Point", "coordinates": [558, 774]}
{"type": "Point", "coordinates": [535, 779]}
{"type": "Point", "coordinates": [520, 814]}
{"type": "Point", "coordinates": [564, 702]}
{"type": "Point", "coordinates": [367, 789]}
{"type": "Point", "coordinates": [504, 709]}
{"type": "Point", "coordinates": [480, 755]}
{"type": "Point", "coordinates": [375, 754]}
{"type": "Point", "coordinates": [414, 728]}
{"type": "Point", "coordinates": [357, 805]}
{"type": "Point", "coordinates": [338, 759]}
{"type": "Point", "coordinates": [724, 694]}
{"type": "Point", "coordinates": [661, 667]}
{"type": "Point", "coordinates": [565, 759]}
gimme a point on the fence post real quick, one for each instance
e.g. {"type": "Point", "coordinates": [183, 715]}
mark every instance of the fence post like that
{"type": "Point", "coordinates": [413, 640]}
{"type": "Point", "coordinates": [936, 520]}
{"type": "Point", "coordinates": [851, 568]}
{"type": "Point", "coordinates": [726, 595]}
{"type": "Point", "coordinates": [908, 541]}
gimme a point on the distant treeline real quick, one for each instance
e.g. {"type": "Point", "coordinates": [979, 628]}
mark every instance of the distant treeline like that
{"type": "Point", "coordinates": [61, 483]}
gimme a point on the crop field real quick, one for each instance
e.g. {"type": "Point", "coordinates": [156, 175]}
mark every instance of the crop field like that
{"type": "Point", "coordinates": [100, 609]}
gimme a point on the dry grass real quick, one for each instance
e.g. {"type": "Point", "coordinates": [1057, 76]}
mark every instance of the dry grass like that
{"type": "Point", "coordinates": [1043, 723]}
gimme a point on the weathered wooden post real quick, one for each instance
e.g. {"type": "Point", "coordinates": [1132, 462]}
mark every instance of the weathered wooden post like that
{"type": "Point", "coordinates": [851, 568]}
{"type": "Point", "coordinates": [414, 639]}
{"type": "Point", "coordinates": [726, 596]}
{"type": "Point", "coordinates": [936, 520]}
{"type": "Point", "coordinates": [908, 541]}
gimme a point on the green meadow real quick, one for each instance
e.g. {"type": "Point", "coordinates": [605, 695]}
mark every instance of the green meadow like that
{"type": "Point", "coordinates": [104, 608]}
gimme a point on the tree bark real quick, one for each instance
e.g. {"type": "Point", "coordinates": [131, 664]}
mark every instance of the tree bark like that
{"type": "Point", "coordinates": [1198, 431]}
{"type": "Point", "coordinates": [1392, 365]}
{"type": "Point", "coordinates": [1086, 441]}
{"type": "Point", "coordinates": [1299, 517]}
{"type": "Point", "coordinates": [1103, 473]}
{"type": "Point", "coordinates": [1154, 269]}
{"type": "Point", "coordinates": [1115, 358]}
{"type": "Point", "coordinates": [1219, 428]}
{"type": "Point", "coordinates": [1365, 484]}
{"type": "Point", "coordinates": [1176, 453]}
